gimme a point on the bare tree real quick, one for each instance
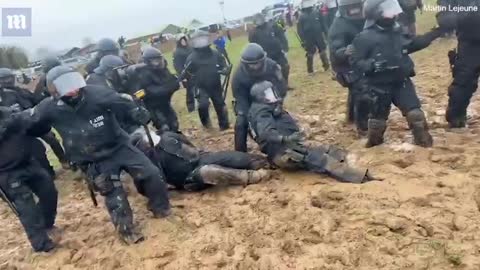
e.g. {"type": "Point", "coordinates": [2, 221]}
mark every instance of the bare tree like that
{"type": "Point", "coordinates": [13, 57]}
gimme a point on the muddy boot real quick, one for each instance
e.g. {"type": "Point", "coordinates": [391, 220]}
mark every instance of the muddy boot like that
{"type": "Point", "coordinates": [350, 115]}
{"type": "Point", "coordinates": [344, 173]}
{"type": "Point", "coordinates": [418, 125]}
{"type": "Point", "coordinates": [131, 237]}
{"type": "Point", "coordinates": [309, 64]}
{"type": "Point", "coordinates": [376, 129]}
{"type": "Point", "coordinates": [221, 176]}
{"type": "Point", "coordinates": [324, 58]}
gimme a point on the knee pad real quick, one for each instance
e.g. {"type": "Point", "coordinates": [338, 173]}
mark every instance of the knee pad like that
{"type": "Point", "coordinates": [416, 115]}
{"type": "Point", "coordinates": [105, 184]}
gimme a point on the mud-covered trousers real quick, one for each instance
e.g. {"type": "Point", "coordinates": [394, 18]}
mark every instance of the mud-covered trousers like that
{"type": "Point", "coordinates": [148, 179]}
{"type": "Point", "coordinates": [466, 73]}
{"type": "Point", "coordinates": [215, 94]}
{"type": "Point", "coordinates": [20, 186]}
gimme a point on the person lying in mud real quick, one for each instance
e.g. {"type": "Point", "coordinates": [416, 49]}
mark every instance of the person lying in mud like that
{"type": "Point", "coordinates": [279, 137]}
{"type": "Point", "coordinates": [189, 168]}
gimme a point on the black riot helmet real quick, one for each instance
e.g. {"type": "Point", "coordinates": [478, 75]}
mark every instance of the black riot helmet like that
{"type": "Point", "coordinates": [106, 46]}
{"type": "Point", "coordinates": [259, 19]}
{"type": "Point", "coordinates": [7, 78]}
{"type": "Point", "coordinates": [108, 67]}
{"type": "Point", "coordinates": [254, 59]}
{"type": "Point", "coordinates": [50, 62]}
{"type": "Point", "coordinates": [153, 57]}
{"type": "Point", "coordinates": [200, 39]}
{"type": "Point", "coordinates": [351, 9]}
{"type": "Point", "coordinates": [263, 92]}
{"type": "Point", "coordinates": [376, 11]}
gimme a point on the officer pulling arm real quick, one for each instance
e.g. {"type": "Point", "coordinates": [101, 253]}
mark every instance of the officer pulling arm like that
{"type": "Point", "coordinates": [166, 89]}
{"type": "Point", "coordinates": [420, 42]}
{"type": "Point", "coordinates": [119, 105]}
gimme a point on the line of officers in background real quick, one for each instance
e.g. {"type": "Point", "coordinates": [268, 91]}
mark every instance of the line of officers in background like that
{"type": "Point", "coordinates": [103, 121]}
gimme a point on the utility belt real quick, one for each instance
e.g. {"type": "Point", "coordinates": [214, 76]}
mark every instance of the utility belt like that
{"type": "Point", "coordinates": [346, 79]}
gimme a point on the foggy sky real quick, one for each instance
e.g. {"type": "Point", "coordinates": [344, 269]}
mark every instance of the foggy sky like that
{"type": "Point", "coordinates": [61, 24]}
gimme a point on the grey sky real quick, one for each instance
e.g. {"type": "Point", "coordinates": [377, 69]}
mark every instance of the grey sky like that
{"type": "Point", "coordinates": [60, 24]}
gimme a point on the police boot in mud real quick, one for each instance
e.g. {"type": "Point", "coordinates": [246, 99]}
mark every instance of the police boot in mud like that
{"type": "Point", "coordinates": [309, 63]}
{"type": "Point", "coordinates": [376, 129]}
{"type": "Point", "coordinates": [324, 59]}
{"type": "Point", "coordinates": [214, 175]}
{"type": "Point", "coordinates": [118, 207]}
{"type": "Point", "coordinates": [418, 125]}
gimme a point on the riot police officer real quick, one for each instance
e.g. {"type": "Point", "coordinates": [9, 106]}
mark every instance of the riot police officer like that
{"type": "Point", "coordinates": [180, 56]}
{"type": "Point", "coordinates": [466, 60]}
{"type": "Point", "coordinates": [187, 167]}
{"type": "Point", "coordinates": [104, 47]}
{"type": "Point", "coordinates": [206, 66]}
{"type": "Point", "coordinates": [159, 85]}
{"type": "Point", "coordinates": [105, 75]}
{"type": "Point", "coordinates": [279, 137]}
{"type": "Point", "coordinates": [86, 118]}
{"type": "Point", "coordinates": [272, 39]}
{"type": "Point", "coordinates": [20, 99]}
{"type": "Point", "coordinates": [381, 54]}
{"type": "Point", "coordinates": [311, 29]}
{"type": "Point", "coordinates": [408, 18]}
{"type": "Point", "coordinates": [21, 177]}
{"type": "Point", "coordinates": [41, 91]}
{"type": "Point", "coordinates": [344, 28]}
{"type": "Point", "coordinates": [255, 66]}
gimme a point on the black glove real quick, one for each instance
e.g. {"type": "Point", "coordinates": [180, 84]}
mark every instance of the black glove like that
{"type": "Point", "coordinates": [140, 115]}
{"type": "Point", "coordinates": [380, 66]}
{"type": "Point", "coordinates": [293, 139]}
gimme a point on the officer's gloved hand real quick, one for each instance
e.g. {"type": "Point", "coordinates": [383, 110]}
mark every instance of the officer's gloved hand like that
{"type": "Point", "coordinates": [294, 139]}
{"type": "Point", "coordinates": [380, 66]}
{"type": "Point", "coordinates": [140, 115]}
{"type": "Point", "coordinates": [350, 50]}
{"type": "Point", "coordinates": [16, 108]}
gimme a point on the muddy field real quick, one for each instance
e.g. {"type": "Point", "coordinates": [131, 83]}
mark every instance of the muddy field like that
{"type": "Point", "coordinates": [424, 215]}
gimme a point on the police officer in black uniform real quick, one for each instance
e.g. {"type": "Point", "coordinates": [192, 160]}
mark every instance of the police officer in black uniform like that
{"type": "Point", "coordinates": [255, 66]}
{"type": "Point", "coordinates": [273, 40]}
{"type": "Point", "coordinates": [206, 65]}
{"type": "Point", "coordinates": [86, 118]}
{"type": "Point", "coordinates": [105, 75]}
{"type": "Point", "coordinates": [408, 18]}
{"type": "Point", "coordinates": [186, 167]}
{"type": "Point", "coordinates": [311, 28]}
{"type": "Point", "coordinates": [20, 99]}
{"type": "Point", "coordinates": [104, 47]}
{"type": "Point", "coordinates": [279, 137]}
{"type": "Point", "coordinates": [41, 91]}
{"type": "Point", "coordinates": [466, 61]}
{"type": "Point", "coordinates": [159, 85]}
{"type": "Point", "coordinates": [345, 27]}
{"type": "Point", "coordinates": [21, 177]}
{"type": "Point", "coordinates": [381, 54]}
{"type": "Point", "coordinates": [180, 56]}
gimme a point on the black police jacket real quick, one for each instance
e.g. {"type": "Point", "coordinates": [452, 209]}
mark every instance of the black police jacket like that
{"type": "Point", "coordinates": [376, 44]}
{"type": "Point", "coordinates": [267, 127]}
{"type": "Point", "coordinates": [159, 86]}
{"type": "Point", "coordinates": [242, 82]}
{"type": "Point", "coordinates": [311, 26]}
{"type": "Point", "coordinates": [178, 157]}
{"type": "Point", "coordinates": [204, 64]}
{"type": "Point", "coordinates": [180, 58]}
{"type": "Point", "coordinates": [341, 34]}
{"type": "Point", "coordinates": [90, 130]}
{"type": "Point", "coordinates": [272, 39]}
{"type": "Point", "coordinates": [467, 23]}
{"type": "Point", "coordinates": [17, 97]}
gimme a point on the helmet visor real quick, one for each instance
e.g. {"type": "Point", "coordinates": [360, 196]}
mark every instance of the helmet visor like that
{"type": "Point", "coordinates": [390, 8]}
{"type": "Point", "coordinates": [200, 42]}
{"type": "Point", "coordinates": [67, 83]}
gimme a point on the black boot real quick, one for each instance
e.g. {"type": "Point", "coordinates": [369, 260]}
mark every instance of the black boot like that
{"type": "Point", "coordinates": [418, 125]}
{"type": "Point", "coordinates": [376, 129]}
{"type": "Point", "coordinates": [309, 63]}
{"type": "Point", "coordinates": [325, 62]}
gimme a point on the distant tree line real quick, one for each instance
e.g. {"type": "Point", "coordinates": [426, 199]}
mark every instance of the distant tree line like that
{"type": "Point", "coordinates": [13, 57]}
